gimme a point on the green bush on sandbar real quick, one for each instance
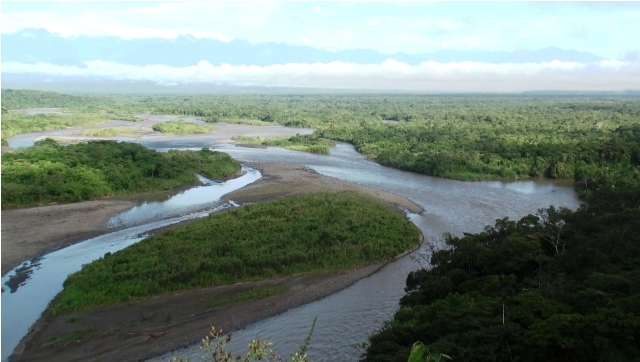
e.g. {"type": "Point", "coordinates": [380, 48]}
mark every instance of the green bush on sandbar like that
{"type": "Point", "coordinates": [301, 234]}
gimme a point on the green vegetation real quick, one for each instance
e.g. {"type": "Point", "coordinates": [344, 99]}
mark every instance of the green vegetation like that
{"type": "Point", "coordinates": [558, 285]}
{"type": "Point", "coordinates": [304, 143]}
{"type": "Point", "coordinates": [251, 122]}
{"type": "Point", "coordinates": [111, 132]}
{"type": "Point", "coordinates": [253, 294]}
{"type": "Point", "coordinates": [420, 353]}
{"type": "Point", "coordinates": [73, 337]}
{"type": "Point", "coordinates": [214, 347]}
{"type": "Point", "coordinates": [14, 123]}
{"type": "Point", "coordinates": [18, 98]}
{"type": "Point", "coordinates": [593, 140]}
{"type": "Point", "coordinates": [125, 117]}
{"type": "Point", "coordinates": [48, 172]}
{"type": "Point", "coordinates": [101, 132]}
{"type": "Point", "coordinates": [84, 111]}
{"type": "Point", "coordinates": [182, 127]}
{"type": "Point", "coordinates": [300, 234]}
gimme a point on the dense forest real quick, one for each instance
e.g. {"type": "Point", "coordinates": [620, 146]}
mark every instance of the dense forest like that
{"type": "Point", "coordinates": [19, 98]}
{"type": "Point", "coordinates": [593, 140]}
{"type": "Point", "coordinates": [330, 231]}
{"type": "Point", "coordinates": [555, 286]}
{"type": "Point", "coordinates": [14, 123]}
{"type": "Point", "coordinates": [48, 172]}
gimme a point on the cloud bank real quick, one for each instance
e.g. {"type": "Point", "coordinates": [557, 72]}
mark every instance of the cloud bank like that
{"type": "Point", "coordinates": [607, 75]}
{"type": "Point", "coordinates": [605, 29]}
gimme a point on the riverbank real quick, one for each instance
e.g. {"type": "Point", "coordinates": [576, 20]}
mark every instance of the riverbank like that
{"type": "Point", "coordinates": [282, 180]}
{"type": "Point", "coordinates": [165, 323]}
{"type": "Point", "coordinates": [30, 232]}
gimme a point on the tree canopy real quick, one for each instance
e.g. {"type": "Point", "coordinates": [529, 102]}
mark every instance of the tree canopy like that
{"type": "Point", "coordinates": [49, 172]}
{"type": "Point", "coordinates": [557, 285]}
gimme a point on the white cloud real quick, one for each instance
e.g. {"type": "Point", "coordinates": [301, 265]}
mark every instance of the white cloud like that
{"type": "Point", "coordinates": [390, 75]}
{"type": "Point", "coordinates": [413, 27]}
{"type": "Point", "coordinates": [612, 64]}
{"type": "Point", "coordinates": [166, 20]}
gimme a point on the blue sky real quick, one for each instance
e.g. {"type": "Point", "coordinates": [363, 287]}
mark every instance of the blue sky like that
{"type": "Point", "coordinates": [607, 29]}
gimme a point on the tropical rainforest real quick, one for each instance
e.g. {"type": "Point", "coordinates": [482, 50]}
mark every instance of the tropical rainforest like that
{"type": "Point", "coordinates": [554, 285]}
{"type": "Point", "coordinates": [49, 172]}
{"type": "Point", "coordinates": [331, 231]}
{"type": "Point", "coordinates": [594, 140]}
{"type": "Point", "coordinates": [557, 285]}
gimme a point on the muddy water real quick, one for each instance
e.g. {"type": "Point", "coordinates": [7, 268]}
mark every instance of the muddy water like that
{"type": "Point", "coordinates": [348, 317]}
{"type": "Point", "coordinates": [28, 289]}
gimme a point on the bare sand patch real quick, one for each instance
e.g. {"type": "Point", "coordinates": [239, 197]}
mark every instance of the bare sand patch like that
{"type": "Point", "coordinates": [29, 232]}
{"type": "Point", "coordinates": [164, 323]}
{"type": "Point", "coordinates": [281, 180]}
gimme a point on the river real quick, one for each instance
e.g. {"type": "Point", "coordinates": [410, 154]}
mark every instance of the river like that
{"type": "Point", "coordinates": [345, 319]}
{"type": "Point", "coordinates": [29, 288]}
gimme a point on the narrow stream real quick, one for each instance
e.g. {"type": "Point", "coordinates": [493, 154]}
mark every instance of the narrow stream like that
{"type": "Point", "coordinates": [29, 288]}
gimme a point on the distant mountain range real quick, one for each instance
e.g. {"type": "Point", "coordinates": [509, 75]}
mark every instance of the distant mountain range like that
{"type": "Point", "coordinates": [39, 45]}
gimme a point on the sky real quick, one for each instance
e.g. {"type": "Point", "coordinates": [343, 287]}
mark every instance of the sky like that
{"type": "Point", "coordinates": [607, 29]}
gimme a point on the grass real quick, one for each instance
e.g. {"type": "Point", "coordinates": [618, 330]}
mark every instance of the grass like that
{"type": "Point", "coordinates": [123, 117]}
{"type": "Point", "coordinates": [14, 123]}
{"type": "Point", "coordinates": [304, 143]}
{"type": "Point", "coordinates": [303, 234]}
{"type": "Point", "coordinates": [182, 128]}
{"type": "Point", "coordinates": [250, 122]}
{"type": "Point", "coordinates": [75, 336]}
{"type": "Point", "coordinates": [111, 132]}
{"type": "Point", "coordinates": [253, 294]}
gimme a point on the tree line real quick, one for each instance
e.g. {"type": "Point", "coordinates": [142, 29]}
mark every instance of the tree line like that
{"type": "Point", "coordinates": [558, 285]}
{"type": "Point", "coordinates": [49, 172]}
{"type": "Point", "coordinates": [593, 140]}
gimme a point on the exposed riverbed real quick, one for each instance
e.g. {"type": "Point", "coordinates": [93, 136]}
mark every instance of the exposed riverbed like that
{"type": "Point", "coordinates": [29, 287]}
{"type": "Point", "coordinates": [348, 317]}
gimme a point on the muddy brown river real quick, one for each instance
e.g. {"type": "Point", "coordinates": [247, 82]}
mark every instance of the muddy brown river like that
{"type": "Point", "coordinates": [346, 318]}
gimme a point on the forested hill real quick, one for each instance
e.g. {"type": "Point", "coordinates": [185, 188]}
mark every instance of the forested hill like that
{"type": "Point", "coordinates": [555, 286]}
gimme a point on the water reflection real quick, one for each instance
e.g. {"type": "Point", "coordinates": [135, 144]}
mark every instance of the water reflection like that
{"type": "Point", "coordinates": [22, 274]}
{"type": "Point", "coordinates": [182, 203]}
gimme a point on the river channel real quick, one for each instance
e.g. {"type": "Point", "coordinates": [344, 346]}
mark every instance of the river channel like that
{"type": "Point", "coordinates": [28, 289]}
{"type": "Point", "coordinates": [346, 318]}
